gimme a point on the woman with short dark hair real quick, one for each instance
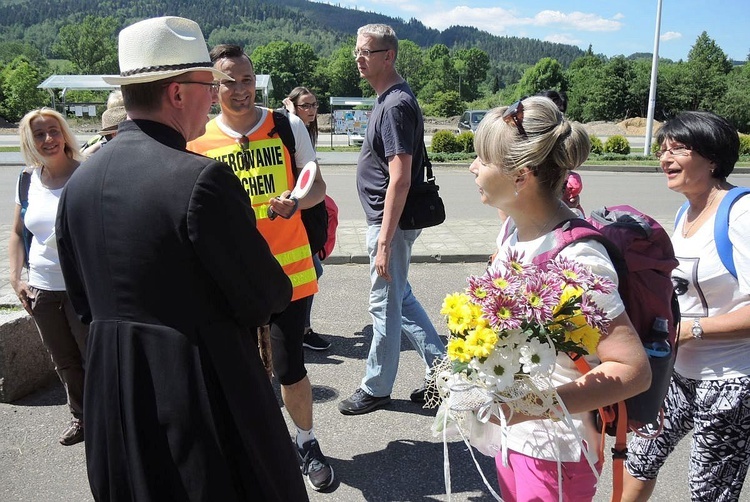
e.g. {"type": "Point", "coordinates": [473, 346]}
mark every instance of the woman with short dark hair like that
{"type": "Point", "coordinates": [709, 395]}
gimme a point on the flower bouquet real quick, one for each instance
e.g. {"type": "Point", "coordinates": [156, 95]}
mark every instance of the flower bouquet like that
{"type": "Point", "coordinates": [506, 331]}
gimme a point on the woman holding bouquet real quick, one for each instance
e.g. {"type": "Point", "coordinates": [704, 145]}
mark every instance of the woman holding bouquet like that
{"type": "Point", "coordinates": [524, 153]}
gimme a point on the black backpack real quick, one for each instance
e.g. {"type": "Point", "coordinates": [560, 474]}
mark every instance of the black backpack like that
{"type": "Point", "coordinates": [315, 218]}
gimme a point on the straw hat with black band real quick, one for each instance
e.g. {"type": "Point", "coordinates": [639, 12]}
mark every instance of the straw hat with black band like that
{"type": "Point", "coordinates": [160, 48]}
{"type": "Point", "coordinates": [111, 118]}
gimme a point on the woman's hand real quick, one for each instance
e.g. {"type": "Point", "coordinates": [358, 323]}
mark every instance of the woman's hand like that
{"type": "Point", "coordinates": [289, 106]}
{"type": "Point", "coordinates": [23, 292]}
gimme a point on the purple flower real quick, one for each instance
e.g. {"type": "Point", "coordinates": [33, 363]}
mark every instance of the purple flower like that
{"type": "Point", "coordinates": [539, 299]}
{"type": "Point", "coordinates": [503, 312]}
{"type": "Point", "coordinates": [501, 281]}
{"type": "Point", "coordinates": [595, 317]}
{"type": "Point", "coordinates": [571, 272]}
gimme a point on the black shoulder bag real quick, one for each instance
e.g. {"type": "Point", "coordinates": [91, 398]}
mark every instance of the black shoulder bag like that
{"type": "Point", "coordinates": [424, 207]}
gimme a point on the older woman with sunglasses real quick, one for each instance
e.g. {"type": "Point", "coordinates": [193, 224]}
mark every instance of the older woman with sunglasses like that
{"type": "Point", "coordinates": [710, 391]}
{"type": "Point", "coordinates": [50, 150]}
{"type": "Point", "coordinates": [524, 154]}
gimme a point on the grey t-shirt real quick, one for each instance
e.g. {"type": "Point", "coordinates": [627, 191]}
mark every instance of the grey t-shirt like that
{"type": "Point", "coordinates": [395, 127]}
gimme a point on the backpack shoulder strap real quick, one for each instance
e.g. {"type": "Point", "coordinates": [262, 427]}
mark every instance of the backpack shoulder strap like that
{"type": "Point", "coordinates": [24, 181]}
{"type": "Point", "coordinates": [721, 228]}
{"type": "Point", "coordinates": [680, 212]}
{"type": "Point", "coordinates": [567, 233]}
{"type": "Point", "coordinates": [283, 128]}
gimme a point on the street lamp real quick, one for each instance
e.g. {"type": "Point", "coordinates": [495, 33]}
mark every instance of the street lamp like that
{"type": "Point", "coordinates": [652, 88]}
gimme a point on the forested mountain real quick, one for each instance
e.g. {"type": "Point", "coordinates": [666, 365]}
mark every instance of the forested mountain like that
{"type": "Point", "coordinates": [258, 22]}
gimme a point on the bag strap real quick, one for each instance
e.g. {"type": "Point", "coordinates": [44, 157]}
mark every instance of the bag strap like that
{"type": "Point", "coordinates": [283, 128]}
{"type": "Point", "coordinates": [24, 181]}
{"type": "Point", "coordinates": [429, 176]}
{"type": "Point", "coordinates": [614, 414]}
{"type": "Point", "coordinates": [721, 226]}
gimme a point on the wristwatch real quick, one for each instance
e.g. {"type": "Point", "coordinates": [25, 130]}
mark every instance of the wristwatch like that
{"type": "Point", "coordinates": [697, 329]}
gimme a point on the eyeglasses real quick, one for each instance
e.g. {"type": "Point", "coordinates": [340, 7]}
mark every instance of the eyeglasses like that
{"type": "Point", "coordinates": [366, 53]}
{"type": "Point", "coordinates": [244, 142]}
{"type": "Point", "coordinates": [514, 114]}
{"type": "Point", "coordinates": [675, 151]}
{"type": "Point", "coordinates": [213, 85]}
{"type": "Point", "coordinates": [308, 106]}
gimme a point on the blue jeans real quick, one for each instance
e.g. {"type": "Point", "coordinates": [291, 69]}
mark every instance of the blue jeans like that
{"type": "Point", "coordinates": [394, 309]}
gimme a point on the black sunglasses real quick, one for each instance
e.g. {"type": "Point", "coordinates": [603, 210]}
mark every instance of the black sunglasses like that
{"type": "Point", "coordinates": [244, 142]}
{"type": "Point", "coordinates": [514, 114]}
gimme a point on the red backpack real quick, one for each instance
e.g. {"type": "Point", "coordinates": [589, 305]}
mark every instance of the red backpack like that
{"type": "Point", "coordinates": [642, 254]}
{"type": "Point", "coordinates": [333, 222]}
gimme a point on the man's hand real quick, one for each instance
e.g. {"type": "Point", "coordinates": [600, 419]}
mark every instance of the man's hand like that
{"type": "Point", "coordinates": [383, 260]}
{"type": "Point", "coordinates": [283, 205]}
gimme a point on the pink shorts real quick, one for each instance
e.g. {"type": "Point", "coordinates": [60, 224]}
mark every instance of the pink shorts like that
{"type": "Point", "coordinates": [531, 479]}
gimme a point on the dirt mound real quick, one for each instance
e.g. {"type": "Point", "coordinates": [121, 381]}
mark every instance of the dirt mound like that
{"type": "Point", "coordinates": [602, 129]}
{"type": "Point", "coordinates": [636, 126]}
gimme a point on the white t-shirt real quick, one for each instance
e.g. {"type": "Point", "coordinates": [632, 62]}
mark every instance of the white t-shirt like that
{"type": "Point", "coordinates": [303, 148]}
{"type": "Point", "coordinates": [44, 264]}
{"type": "Point", "coordinates": [545, 439]}
{"type": "Point", "coordinates": [712, 290]}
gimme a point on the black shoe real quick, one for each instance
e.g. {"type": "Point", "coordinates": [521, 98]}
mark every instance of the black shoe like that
{"type": "Point", "coordinates": [361, 402]}
{"type": "Point", "coordinates": [315, 465]}
{"type": "Point", "coordinates": [314, 341]}
{"type": "Point", "coordinates": [418, 395]}
{"type": "Point", "coordinates": [73, 434]}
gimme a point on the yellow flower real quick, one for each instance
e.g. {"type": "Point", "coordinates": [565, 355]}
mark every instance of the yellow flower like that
{"type": "Point", "coordinates": [569, 292]}
{"type": "Point", "coordinates": [460, 319]}
{"type": "Point", "coordinates": [480, 341]}
{"type": "Point", "coordinates": [457, 350]}
{"type": "Point", "coordinates": [452, 302]}
{"type": "Point", "coordinates": [583, 334]}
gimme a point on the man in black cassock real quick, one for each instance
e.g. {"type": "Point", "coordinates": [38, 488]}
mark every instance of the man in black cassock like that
{"type": "Point", "coordinates": [161, 256]}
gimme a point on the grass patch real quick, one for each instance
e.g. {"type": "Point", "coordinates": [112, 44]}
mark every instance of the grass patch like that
{"type": "Point", "coordinates": [10, 149]}
{"type": "Point", "coordinates": [9, 309]}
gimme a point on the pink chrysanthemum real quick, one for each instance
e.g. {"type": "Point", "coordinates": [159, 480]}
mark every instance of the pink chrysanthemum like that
{"type": "Point", "coordinates": [501, 281]}
{"type": "Point", "coordinates": [539, 300]}
{"type": "Point", "coordinates": [595, 316]}
{"type": "Point", "coordinates": [515, 266]}
{"type": "Point", "coordinates": [478, 289]}
{"type": "Point", "coordinates": [503, 312]}
{"type": "Point", "coordinates": [571, 273]}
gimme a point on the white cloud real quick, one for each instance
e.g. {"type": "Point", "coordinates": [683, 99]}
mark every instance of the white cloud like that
{"type": "Point", "coordinates": [576, 20]}
{"type": "Point", "coordinates": [497, 20]}
{"type": "Point", "coordinates": [562, 38]}
{"type": "Point", "coordinates": [670, 35]}
{"type": "Point", "coordinates": [494, 20]}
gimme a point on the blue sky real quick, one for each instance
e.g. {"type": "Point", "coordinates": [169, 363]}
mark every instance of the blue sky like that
{"type": "Point", "coordinates": [611, 27]}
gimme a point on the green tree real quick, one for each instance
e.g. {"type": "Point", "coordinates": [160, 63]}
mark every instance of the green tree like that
{"type": "Point", "coordinates": [444, 104]}
{"type": "Point", "coordinates": [342, 73]}
{"type": "Point", "coordinates": [581, 77]}
{"type": "Point", "coordinates": [472, 65]}
{"type": "Point", "coordinates": [707, 67]}
{"type": "Point", "coordinates": [90, 45]}
{"type": "Point", "coordinates": [410, 64]}
{"type": "Point", "coordinates": [18, 88]}
{"type": "Point", "coordinates": [288, 64]}
{"type": "Point", "coordinates": [735, 105]}
{"type": "Point", "coordinates": [546, 74]}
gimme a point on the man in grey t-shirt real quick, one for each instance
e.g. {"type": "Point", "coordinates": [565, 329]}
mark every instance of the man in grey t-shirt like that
{"type": "Point", "coordinates": [391, 159]}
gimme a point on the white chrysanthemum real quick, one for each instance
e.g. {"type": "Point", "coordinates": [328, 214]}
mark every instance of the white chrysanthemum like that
{"type": "Point", "coordinates": [537, 358]}
{"type": "Point", "coordinates": [499, 369]}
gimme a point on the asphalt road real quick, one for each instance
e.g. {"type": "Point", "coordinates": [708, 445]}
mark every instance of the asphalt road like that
{"type": "Point", "coordinates": [386, 455]}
